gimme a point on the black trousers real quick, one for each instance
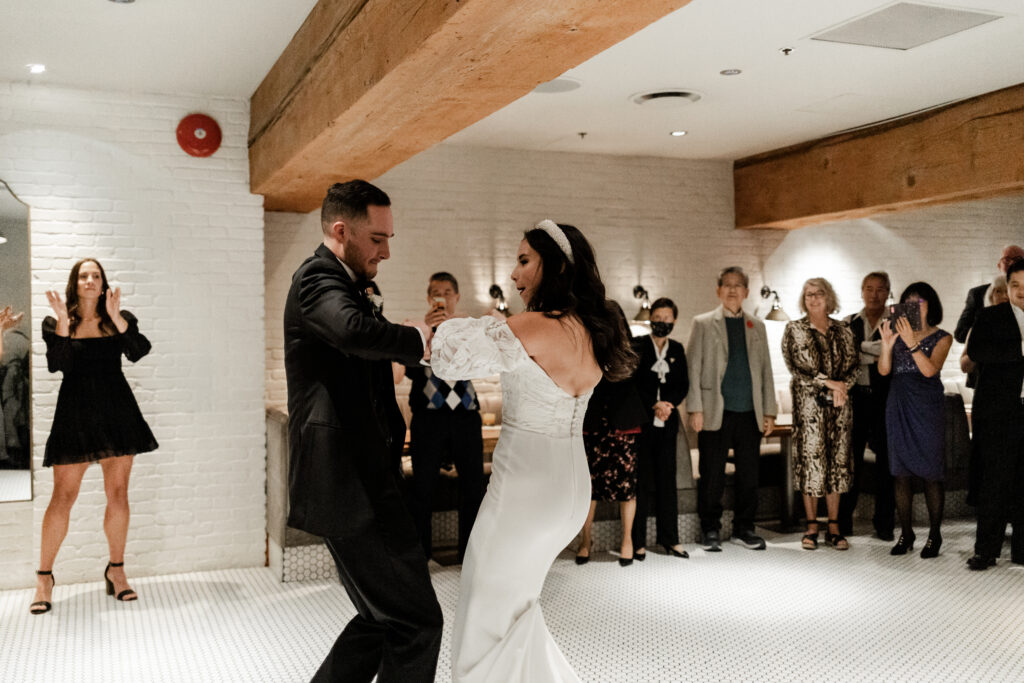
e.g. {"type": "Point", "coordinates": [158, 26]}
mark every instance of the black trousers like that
{"type": "Point", "coordinates": [434, 434]}
{"type": "Point", "coordinates": [1000, 443]}
{"type": "Point", "coordinates": [656, 480]}
{"type": "Point", "coordinates": [869, 430]}
{"type": "Point", "coordinates": [740, 432]}
{"type": "Point", "coordinates": [396, 634]}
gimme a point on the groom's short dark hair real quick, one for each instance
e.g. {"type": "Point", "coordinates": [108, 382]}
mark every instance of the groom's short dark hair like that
{"type": "Point", "coordinates": [349, 201]}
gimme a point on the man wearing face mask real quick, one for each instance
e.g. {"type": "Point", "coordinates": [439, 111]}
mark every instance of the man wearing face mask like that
{"type": "Point", "coordinates": [731, 405]}
{"type": "Point", "coordinates": [662, 382]}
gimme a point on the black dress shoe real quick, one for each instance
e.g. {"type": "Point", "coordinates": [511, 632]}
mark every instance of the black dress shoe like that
{"type": "Point", "coordinates": [980, 563]}
{"type": "Point", "coordinates": [638, 556]}
{"type": "Point", "coordinates": [904, 545]}
{"type": "Point", "coordinates": [625, 561]}
{"type": "Point", "coordinates": [885, 535]}
{"type": "Point", "coordinates": [931, 547]}
{"type": "Point", "coordinates": [712, 541]}
{"type": "Point", "coordinates": [669, 550]}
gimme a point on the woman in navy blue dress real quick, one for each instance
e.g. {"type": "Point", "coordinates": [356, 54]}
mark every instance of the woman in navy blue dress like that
{"type": "Point", "coordinates": [96, 419]}
{"type": "Point", "coordinates": [915, 412]}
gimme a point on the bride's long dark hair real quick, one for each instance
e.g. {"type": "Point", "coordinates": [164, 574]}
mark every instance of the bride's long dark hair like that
{"type": "Point", "coordinates": [575, 288]}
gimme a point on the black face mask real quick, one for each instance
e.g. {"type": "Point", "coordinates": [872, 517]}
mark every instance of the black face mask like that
{"type": "Point", "coordinates": [660, 329]}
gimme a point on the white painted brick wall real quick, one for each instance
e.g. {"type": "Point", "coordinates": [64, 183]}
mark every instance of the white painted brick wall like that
{"type": "Point", "coordinates": [667, 224]}
{"type": "Point", "coordinates": [182, 236]}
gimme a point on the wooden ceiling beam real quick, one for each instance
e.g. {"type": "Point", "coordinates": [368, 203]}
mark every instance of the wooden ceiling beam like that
{"type": "Point", "coordinates": [967, 150]}
{"type": "Point", "coordinates": [366, 84]}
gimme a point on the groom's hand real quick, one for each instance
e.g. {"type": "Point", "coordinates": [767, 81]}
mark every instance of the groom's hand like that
{"type": "Point", "coordinates": [427, 333]}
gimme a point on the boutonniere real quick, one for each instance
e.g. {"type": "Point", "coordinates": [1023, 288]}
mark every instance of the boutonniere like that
{"type": "Point", "coordinates": [750, 324]}
{"type": "Point", "coordinates": [376, 300]}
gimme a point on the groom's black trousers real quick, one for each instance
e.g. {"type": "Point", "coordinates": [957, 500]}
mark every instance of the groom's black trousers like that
{"type": "Point", "coordinates": [396, 634]}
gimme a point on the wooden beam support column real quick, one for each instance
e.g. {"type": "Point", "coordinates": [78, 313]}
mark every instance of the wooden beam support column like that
{"type": "Point", "coordinates": [968, 150]}
{"type": "Point", "coordinates": [366, 84]}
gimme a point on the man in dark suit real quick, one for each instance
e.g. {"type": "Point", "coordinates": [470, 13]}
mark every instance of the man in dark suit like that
{"type": "Point", "coordinates": [345, 438]}
{"type": "Point", "coordinates": [997, 345]}
{"type": "Point", "coordinates": [869, 395]}
{"type": "Point", "coordinates": [976, 295]}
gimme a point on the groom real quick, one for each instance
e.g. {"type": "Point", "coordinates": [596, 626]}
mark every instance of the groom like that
{"type": "Point", "coordinates": [345, 437]}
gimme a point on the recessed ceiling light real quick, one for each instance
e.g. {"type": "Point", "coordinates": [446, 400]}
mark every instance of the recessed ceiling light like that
{"type": "Point", "coordinates": [35, 68]}
{"type": "Point", "coordinates": [730, 72]}
{"type": "Point", "coordinates": [678, 133]}
{"type": "Point", "coordinates": [123, 2]}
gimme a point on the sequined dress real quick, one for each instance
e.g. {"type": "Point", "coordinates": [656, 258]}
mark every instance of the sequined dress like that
{"type": "Point", "coordinates": [915, 415]}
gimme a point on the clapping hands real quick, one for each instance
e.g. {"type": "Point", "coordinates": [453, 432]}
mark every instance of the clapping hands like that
{"type": "Point", "coordinates": [8, 319]}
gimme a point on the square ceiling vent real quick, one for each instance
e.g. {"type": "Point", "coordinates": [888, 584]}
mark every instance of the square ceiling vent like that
{"type": "Point", "coordinates": [905, 25]}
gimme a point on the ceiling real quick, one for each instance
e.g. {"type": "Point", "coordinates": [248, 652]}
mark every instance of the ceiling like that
{"type": "Point", "coordinates": [208, 47]}
{"type": "Point", "coordinates": [225, 47]}
{"type": "Point", "coordinates": [777, 100]}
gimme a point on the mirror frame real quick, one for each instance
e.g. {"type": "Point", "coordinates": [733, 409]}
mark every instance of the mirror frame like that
{"type": "Point", "coordinates": [28, 325]}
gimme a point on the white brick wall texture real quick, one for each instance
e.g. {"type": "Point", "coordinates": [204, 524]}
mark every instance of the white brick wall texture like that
{"type": "Point", "coordinates": [182, 237]}
{"type": "Point", "coordinates": [667, 224]}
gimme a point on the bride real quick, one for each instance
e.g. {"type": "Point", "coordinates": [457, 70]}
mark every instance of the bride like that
{"type": "Point", "coordinates": [550, 358]}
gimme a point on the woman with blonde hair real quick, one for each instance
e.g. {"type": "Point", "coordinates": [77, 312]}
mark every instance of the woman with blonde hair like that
{"type": "Point", "coordinates": [96, 420]}
{"type": "Point", "coordinates": [822, 358]}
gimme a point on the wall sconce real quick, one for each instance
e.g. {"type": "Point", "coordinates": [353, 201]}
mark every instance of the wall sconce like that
{"type": "Point", "coordinates": [776, 313]}
{"type": "Point", "coordinates": [499, 300]}
{"type": "Point", "coordinates": [640, 325]}
{"type": "Point", "coordinates": [2, 238]}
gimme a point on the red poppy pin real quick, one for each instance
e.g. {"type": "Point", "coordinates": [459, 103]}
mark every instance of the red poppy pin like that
{"type": "Point", "coordinates": [750, 324]}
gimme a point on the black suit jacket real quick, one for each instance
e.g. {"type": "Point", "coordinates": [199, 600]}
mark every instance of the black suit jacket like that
{"type": "Point", "coordinates": [975, 302]}
{"type": "Point", "coordinates": [995, 346]}
{"type": "Point", "coordinates": [677, 381]}
{"type": "Point", "coordinates": [345, 430]}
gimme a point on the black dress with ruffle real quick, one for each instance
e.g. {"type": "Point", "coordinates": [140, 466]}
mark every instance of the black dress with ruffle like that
{"type": "Point", "coordinates": [97, 416]}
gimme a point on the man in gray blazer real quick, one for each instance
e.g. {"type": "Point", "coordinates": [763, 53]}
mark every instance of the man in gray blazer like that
{"type": "Point", "coordinates": [731, 404]}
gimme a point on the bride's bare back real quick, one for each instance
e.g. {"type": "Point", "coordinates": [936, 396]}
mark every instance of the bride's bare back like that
{"type": "Point", "coordinates": [561, 347]}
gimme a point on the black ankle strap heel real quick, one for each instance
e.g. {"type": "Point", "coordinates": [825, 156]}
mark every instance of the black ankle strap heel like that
{"type": "Point", "coordinates": [126, 595]}
{"type": "Point", "coordinates": [42, 606]}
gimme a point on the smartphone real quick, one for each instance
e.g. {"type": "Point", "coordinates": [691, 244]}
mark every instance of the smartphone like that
{"type": "Point", "coordinates": [910, 310]}
{"type": "Point", "coordinates": [440, 303]}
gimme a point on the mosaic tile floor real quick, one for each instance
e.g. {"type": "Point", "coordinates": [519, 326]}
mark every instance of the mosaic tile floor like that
{"type": "Point", "coordinates": [779, 615]}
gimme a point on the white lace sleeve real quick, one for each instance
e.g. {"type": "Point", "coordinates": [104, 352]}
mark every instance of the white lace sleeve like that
{"type": "Point", "coordinates": [470, 348]}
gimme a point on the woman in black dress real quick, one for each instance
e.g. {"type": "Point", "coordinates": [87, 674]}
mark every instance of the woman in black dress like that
{"type": "Point", "coordinates": [96, 419]}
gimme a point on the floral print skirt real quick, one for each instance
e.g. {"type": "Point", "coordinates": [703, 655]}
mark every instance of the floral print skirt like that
{"type": "Point", "coordinates": [611, 455]}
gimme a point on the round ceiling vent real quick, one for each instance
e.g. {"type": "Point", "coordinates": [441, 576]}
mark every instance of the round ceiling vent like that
{"type": "Point", "coordinates": [665, 98]}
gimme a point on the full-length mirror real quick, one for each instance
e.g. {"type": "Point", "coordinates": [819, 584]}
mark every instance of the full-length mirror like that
{"type": "Point", "coordinates": [15, 348]}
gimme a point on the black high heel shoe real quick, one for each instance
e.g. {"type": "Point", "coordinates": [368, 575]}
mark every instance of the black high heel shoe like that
{"type": "Point", "coordinates": [126, 595]}
{"type": "Point", "coordinates": [904, 545]}
{"type": "Point", "coordinates": [43, 606]}
{"type": "Point", "coordinates": [669, 550]}
{"type": "Point", "coordinates": [639, 556]}
{"type": "Point", "coordinates": [583, 559]}
{"type": "Point", "coordinates": [931, 547]}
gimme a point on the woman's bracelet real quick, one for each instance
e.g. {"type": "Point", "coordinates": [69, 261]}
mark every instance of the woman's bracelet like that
{"type": "Point", "coordinates": [915, 348]}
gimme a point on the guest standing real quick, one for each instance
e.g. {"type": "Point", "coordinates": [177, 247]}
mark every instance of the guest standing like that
{"type": "Point", "coordinates": [731, 405]}
{"type": "Point", "coordinates": [997, 344]}
{"type": "Point", "coordinates": [822, 357]}
{"type": "Point", "coordinates": [869, 396]}
{"type": "Point", "coordinates": [611, 429]}
{"type": "Point", "coordinates": [915, 414]}
{"type": "Point", "coordinates": [662, 380]}
{"type": "Point", "coordinates": [445, 426]}
{"type": "Point", "coordinates": [96, 419]}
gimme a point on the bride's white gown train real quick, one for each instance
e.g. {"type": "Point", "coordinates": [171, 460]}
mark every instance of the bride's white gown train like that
{"type": "Point", "coordinates": [536, 502]}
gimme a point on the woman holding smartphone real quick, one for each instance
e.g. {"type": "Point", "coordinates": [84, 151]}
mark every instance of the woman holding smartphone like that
{"type": "Point", "coordinates": [915, 412]}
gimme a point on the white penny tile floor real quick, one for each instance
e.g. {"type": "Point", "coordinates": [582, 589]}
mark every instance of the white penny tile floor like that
{"type": "Point", "coordinates": [780, 615]}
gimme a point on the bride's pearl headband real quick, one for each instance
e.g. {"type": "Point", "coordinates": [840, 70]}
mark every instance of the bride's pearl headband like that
{"type": "Point", "coordinates": [558, 235]}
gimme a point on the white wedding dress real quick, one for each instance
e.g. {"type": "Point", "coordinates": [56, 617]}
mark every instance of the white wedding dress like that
{"type": "Point", "coordinates": [536, 502]}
